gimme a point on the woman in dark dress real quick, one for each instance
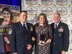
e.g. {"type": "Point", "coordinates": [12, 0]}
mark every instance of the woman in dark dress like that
{"type": "Point", "coordinates": [43, 35]}
{"type": "Point", "coordinates": [8, 17]}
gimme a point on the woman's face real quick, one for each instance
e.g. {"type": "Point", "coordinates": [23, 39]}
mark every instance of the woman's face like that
{"type": "Point", "coordinates": [41, 20]}
{"type": "Point", "coordinates": [6, 15]}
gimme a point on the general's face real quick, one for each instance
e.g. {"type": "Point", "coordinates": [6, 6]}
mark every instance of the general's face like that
{"type": "Point", "coordinates": [41, 20]}
{"type": "Point", "coordinates": [23, 17]}
{"type": "Point", "coordinates": [56, 18]}
{"type": "Point", "coordinates": [6, 15]}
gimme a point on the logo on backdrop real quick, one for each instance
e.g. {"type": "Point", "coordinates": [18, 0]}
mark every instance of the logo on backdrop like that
{"type": "Point", "coordinates": [46, 2]}
{"type": "Point", "coordinates": [31, 2]}
{"type": "Point", "coordinates": [61, 2]}
{"type": "Point", "coordinates": [47, 11]}
{"type": "Point", "coordinates": [62, 10]}
{"type": "Point", "coordinates": [32, 10]}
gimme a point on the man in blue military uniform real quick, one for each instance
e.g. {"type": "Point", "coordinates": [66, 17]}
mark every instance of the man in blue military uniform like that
{"type": "Point", "coordinates": [60, 42]}
{"type": "Point", "coordinates": [21, 38]}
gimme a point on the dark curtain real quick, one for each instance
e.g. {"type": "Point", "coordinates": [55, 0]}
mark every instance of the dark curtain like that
{"type": "Point", "coordinates": [11, 2]}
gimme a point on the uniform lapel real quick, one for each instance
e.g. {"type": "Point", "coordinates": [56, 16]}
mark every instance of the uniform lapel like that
{"type": "Point", "coordinates": [20, 25]}
{"type": "Point", "coordinates": [53, 27]}
{"type": "Point", "coordinates": [59, 25]}
{"type": "Point", "coordinates": [27, 27]}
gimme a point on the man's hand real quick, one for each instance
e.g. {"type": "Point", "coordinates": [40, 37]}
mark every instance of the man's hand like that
{"type": "Point", "coordinates": [33, 38]}
{"type": "Point", "coordinates": [63, 52]}
{"type": "Point", "coordinates": [29, 46]}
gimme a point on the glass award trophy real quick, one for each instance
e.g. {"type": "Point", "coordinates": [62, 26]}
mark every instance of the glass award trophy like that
{"type": "Point", "coordinates": [42, 39]}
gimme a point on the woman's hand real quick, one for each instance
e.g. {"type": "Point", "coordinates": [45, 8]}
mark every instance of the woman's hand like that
{"type": "Point", "coordinates": [48, 41]}
{"type": "Point", "coordinates": [33, 38]}
{"type": "Point", "coordinates": [6, 40]}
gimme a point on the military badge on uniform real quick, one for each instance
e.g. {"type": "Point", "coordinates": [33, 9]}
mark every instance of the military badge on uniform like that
{"type": "Point", "coordinates": [61, 29]}
{"type": "Point", "coordinates": [31, 28]}
{"type": "Point", "coordinates": [10, 31]}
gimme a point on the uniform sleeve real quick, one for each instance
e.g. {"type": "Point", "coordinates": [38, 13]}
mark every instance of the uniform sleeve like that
{"type": "Point", "coordinates": [33, 32]}
{"type": "Point", "coordinates": [50, 33]}
{"type": "Point", "coordinates": [66, 38]}
{"type": "Point", "coordinates": [13, 40]}
{"type": "Point", "coordinates": [32, 35]}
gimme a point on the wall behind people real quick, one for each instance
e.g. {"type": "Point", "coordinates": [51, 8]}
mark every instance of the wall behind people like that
{"type": "Point", "coordinates": [35, 7]}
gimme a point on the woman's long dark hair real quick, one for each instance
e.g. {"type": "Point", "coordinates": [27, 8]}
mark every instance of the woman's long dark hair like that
{"type": "Point", "coordinates": [45, 16]}
{"type": "Point", "coordinates": [9, 11]}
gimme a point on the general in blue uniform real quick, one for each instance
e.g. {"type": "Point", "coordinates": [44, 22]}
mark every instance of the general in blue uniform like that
{"type": "Point", "coordinates": [60, 42]}
{"type": "Point", "coordinates": [21, 36]}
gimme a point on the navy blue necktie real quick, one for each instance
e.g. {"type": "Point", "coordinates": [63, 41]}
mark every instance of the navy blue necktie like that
{"type": "Point", "coordinates": [55, 28]}
{"type": "Point", "coordinates": [24, 26]}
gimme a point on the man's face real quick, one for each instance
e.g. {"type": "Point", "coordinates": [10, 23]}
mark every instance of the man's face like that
{"type": "Point", "coordinates": [23, 17]}
{"type": "Point", "coordinates": [56, 18]}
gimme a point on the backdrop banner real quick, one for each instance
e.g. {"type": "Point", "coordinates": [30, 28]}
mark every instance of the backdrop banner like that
{"type": "Point", "coordinates": [35, 7]}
